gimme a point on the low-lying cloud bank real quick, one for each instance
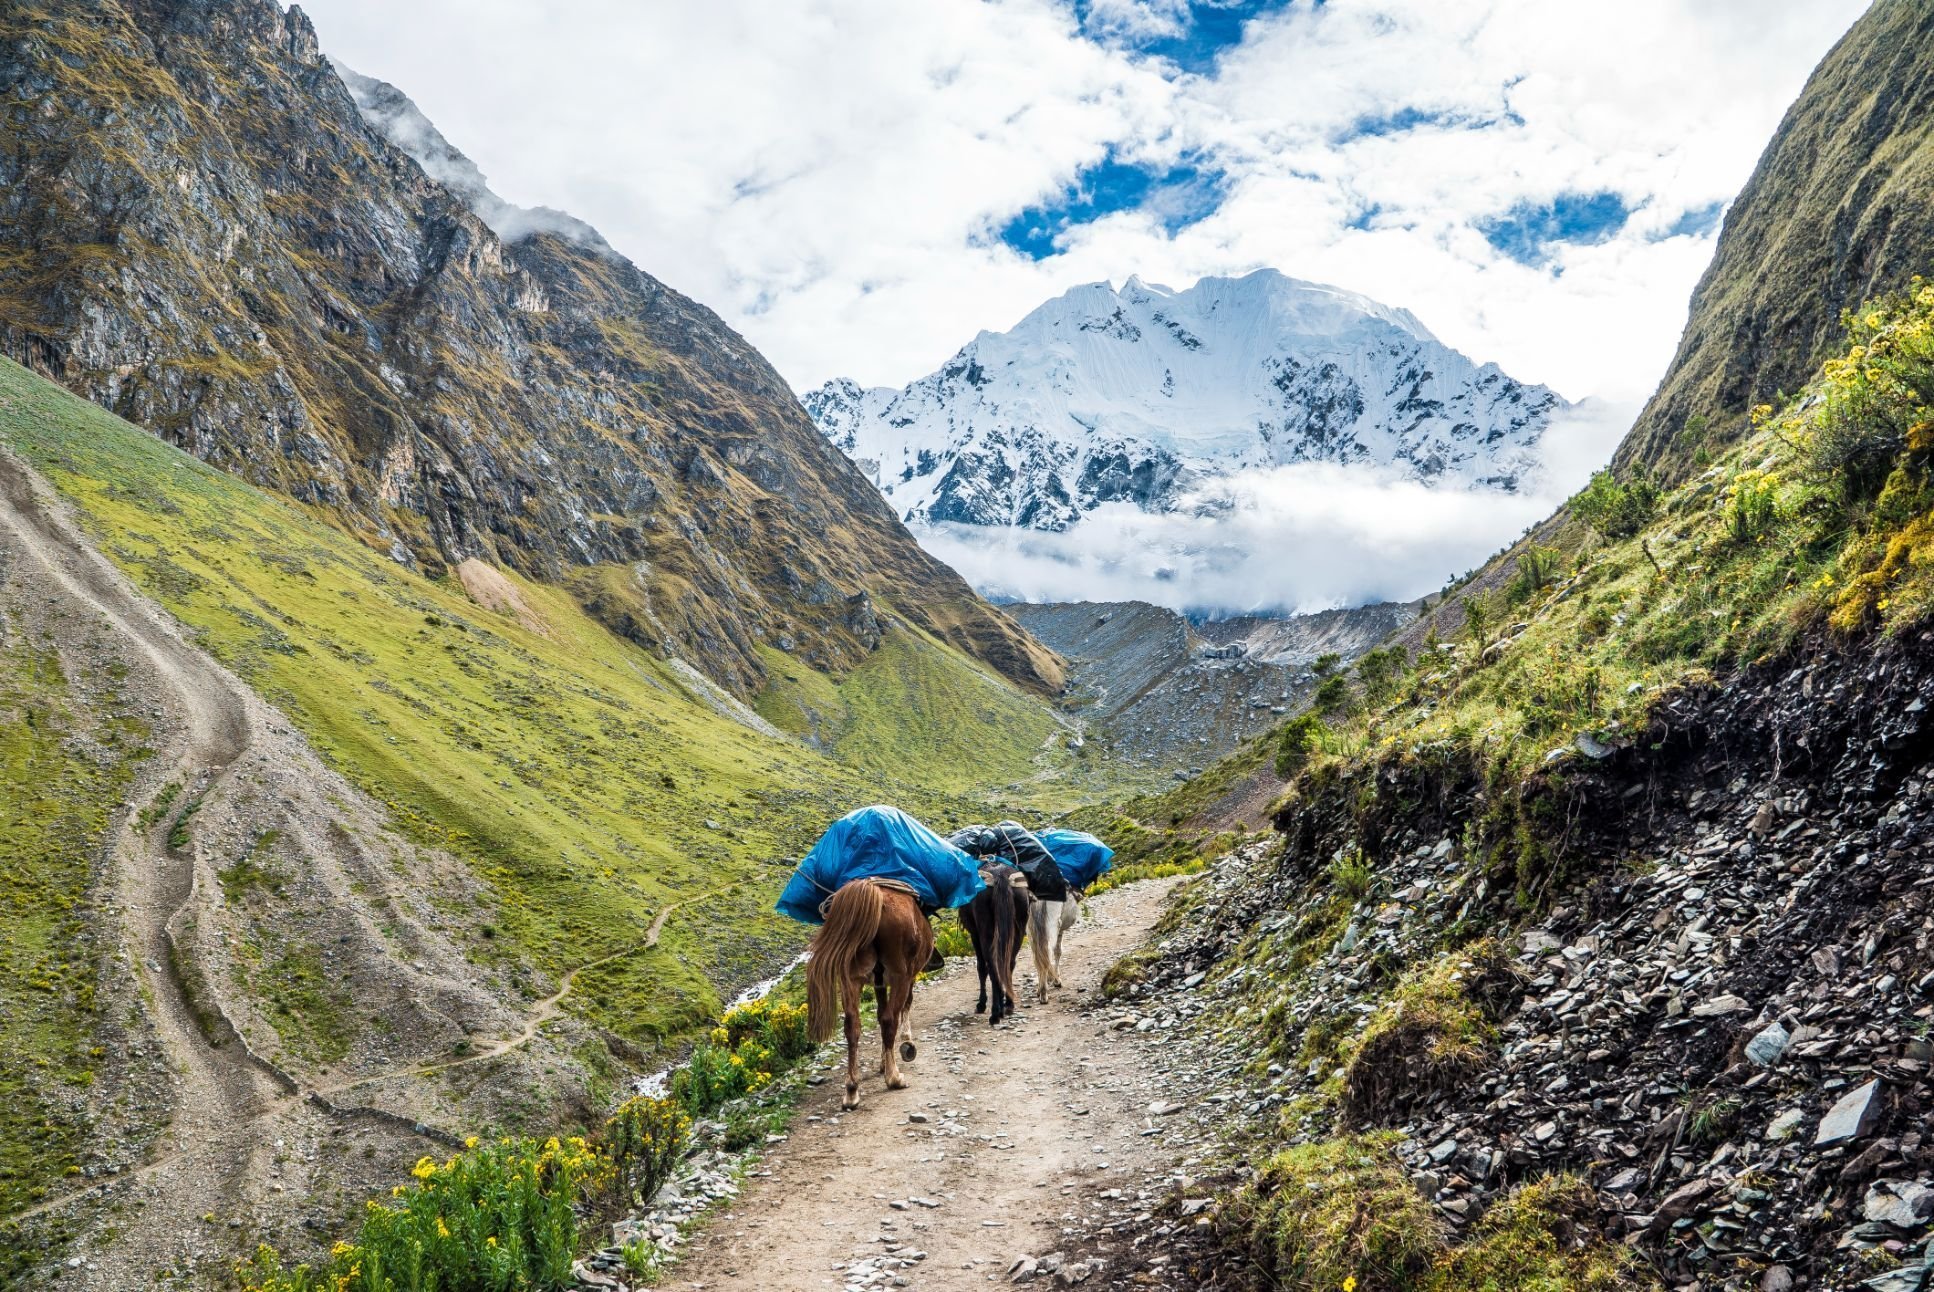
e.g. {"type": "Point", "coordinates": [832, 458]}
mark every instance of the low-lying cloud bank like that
{"type": "Point", "coordinates": [1297, 538]}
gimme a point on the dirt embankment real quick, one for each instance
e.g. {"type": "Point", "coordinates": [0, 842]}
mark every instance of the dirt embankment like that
{"type": "Point", "coordinates": [1723, 980]}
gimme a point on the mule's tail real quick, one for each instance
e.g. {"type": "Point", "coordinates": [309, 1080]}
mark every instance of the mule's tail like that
{"type": "Point", "coordinates": [1010, 931]}
{"type": "Point", "coordinates": [852, 921]}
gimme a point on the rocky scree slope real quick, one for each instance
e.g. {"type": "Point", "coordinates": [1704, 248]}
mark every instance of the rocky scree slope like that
{"type": "Point", "coordinates": [1722, 1026]}
{"type": "Point", "coordinates": [1142, 395]}
{"type": "Point", "coordinates": [1154, 689]}
{"type": "Point", "coordinates": [1839, 210]}
{"type": "Point", "coordinates": [205, 234]}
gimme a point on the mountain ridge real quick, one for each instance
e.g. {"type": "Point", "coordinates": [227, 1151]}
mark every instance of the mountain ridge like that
{"type": "Point", "coordinates": [1139, 394]}
{"type": "Point", "coordinates": [1839, 210]}
{"type": "Point", "coordinates": [204, 235]}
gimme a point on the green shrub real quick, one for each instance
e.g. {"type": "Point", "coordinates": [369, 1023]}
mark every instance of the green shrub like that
{"type": "Point", "coordinates": [494, 1218]}
{"type": "Point", "coordinates": [949, 939]}
{"type": "Point", "coordinates": [1616, 509]}
{"type": "Point", "coordinates": [778, 1027]}
{"type": "Point", "coordinates": [645, 1137]}
{"type": "Point", "coordinates": [1295, 742]}
{"type": "Point", "coordinates": [1878, 397]}
{"type": "Point", "coordinates": [1752, 506]}
{"type": "Point", "coordinates": [752, 1045]}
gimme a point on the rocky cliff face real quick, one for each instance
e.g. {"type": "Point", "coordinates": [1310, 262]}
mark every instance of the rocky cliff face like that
{"type": "Point", "coordinates": [207, 231]}
{"type": "Point", "coordinates": [1136, 395]}
{"type": "Point", "coordinates": [1839, 210]}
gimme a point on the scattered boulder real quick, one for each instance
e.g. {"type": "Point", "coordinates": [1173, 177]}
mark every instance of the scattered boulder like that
{"type": "Point", "coordinates": [1852, 1117]}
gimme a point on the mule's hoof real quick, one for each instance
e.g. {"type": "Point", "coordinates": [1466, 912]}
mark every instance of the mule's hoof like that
{"type": "Point", "coordinates": [896, 1083]}
{"type": "Point", "coordinates": [908, 1051]}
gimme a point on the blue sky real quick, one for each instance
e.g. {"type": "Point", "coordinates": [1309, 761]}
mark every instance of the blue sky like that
{"type": "Point", "coordinates": [1173, 195]}
{"type": "Point", "coordinates": [1188, 35]}
{"type": "Point", "coordinates": [861, 185]}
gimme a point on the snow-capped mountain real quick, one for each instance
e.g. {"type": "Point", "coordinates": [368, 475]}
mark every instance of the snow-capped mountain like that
{"type": "Point", "coordinates": [1142, 394]}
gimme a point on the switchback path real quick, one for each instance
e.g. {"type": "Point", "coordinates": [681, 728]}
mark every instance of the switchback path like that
{"type": "Point", "coordinates": [993, 1146]}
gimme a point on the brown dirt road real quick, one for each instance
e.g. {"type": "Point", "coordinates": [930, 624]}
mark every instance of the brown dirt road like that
{"type": "Point", "coordinates": [980, 1161]}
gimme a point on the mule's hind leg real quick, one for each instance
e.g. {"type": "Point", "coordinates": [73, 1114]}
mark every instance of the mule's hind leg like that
{"type": "Point", "coordinates": [893, 1009]}
{"type": "Point", "coordinates": [1037, 924]}
{"type": "Point", "coordinates": [1069, 913]}
{"type": "Point", "coordinates": [852, 1004]}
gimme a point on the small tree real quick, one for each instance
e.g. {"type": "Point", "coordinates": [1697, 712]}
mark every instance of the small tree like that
{"type": "Point", "coordinates": [1334, 696]}
{"type": "Point", "coordinates": [1327, 664]}
{"type": "Point", "coordinates": [1379, 671]}
{"type": "Point", "coordinates": [1477, 622]}
{"type": "Point", "coordinates": [1538, 568]}
{"type": "Point", "coordinates": [1616, 509]}
{"type": "Point", "coordinates": [1295, 742]}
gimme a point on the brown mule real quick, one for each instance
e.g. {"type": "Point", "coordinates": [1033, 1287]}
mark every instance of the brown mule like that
{"type": "Point", "coordinates": [874, 930]}
{"type": "Point", "coordinates": [996, 923]}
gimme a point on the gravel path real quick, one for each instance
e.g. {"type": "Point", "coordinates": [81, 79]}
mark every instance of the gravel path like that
{"type": "Point", "coordinates": [1003, 1135]}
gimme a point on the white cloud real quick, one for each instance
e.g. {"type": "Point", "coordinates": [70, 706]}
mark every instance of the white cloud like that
{"type": "Point", "coordinates": [827, 174]}
{"type": "Point", "coordinates": [824, 173]}
{"type": "Point", "coordinates": [1300, 538]}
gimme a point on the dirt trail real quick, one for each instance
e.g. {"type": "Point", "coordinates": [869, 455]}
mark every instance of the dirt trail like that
{"type": "Point", "coordinates": [541, 1013]}
{"type": "Point", "coordinates": [212, 726]}
{"type": "Point", "coordinates": [240, 1133]}
{"type": "Point", "coordinates": [1015, 1124]}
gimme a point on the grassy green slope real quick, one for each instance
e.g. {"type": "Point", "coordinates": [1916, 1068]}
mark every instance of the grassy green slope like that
{"type": "Point", "coordinates": [915, 702]}
{"type": "Point", "coordinates": [1839, 209]}
{"type": "Point", "coordinates": [65, 758]}
{"type": "Point", "coordinates": [579, 774]}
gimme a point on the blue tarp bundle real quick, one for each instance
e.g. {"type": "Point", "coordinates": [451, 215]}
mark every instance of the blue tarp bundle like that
{"type": "Point", "coordinates": [880, 843]}
{"type": "Point", "coordinates": [1015, 844]}
{"type": "Point", "coordinates": [1082, 857]}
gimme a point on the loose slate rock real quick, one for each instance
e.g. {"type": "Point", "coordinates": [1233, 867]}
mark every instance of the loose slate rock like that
{"type": "Point", "coordinates": [1769, 1045]}
{"type": "Point", "coordinates": [1852, 1117]}
{"type": "Point", "coordinates": [1903, 1204]}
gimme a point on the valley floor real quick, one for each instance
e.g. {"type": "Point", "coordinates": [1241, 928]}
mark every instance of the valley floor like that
{"type": "Point", "coordinates": [1009, 1142]}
